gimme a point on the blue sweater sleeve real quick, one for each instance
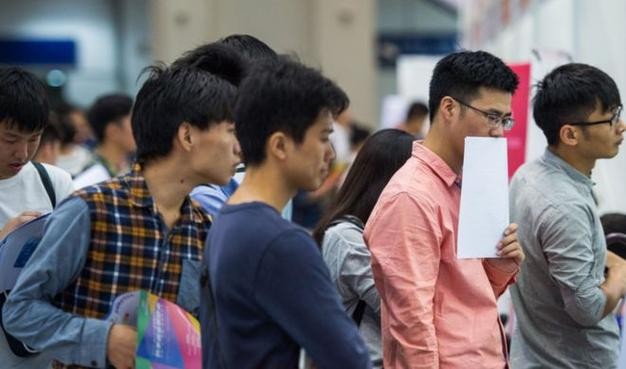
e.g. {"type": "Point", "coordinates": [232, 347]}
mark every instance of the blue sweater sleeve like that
{"type": "Point", "coordinates": [294, 287]}
{"type": "Point", "coordinates": [28, 313]}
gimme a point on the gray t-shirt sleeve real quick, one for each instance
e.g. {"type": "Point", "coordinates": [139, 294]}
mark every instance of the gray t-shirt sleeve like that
{"type": "Point", "coordinates": [345, 243]}
{"type": "Point", "coordinates": [567, 240]}
{"type": "Point", "coordinates": [29, 314]}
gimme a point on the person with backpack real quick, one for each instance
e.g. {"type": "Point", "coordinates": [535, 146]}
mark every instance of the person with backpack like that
{"type": "Point", "coordinates": [27, 189]}
{"type": "Point", "coordinates": [340, 231]}
{"type": "Point", "coordinates": [138, 231]}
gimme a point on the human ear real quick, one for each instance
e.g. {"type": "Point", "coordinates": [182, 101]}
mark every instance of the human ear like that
{"type": "Point", "coordinates": [278, 145]}
{"type": "Point", "coordinates": [568, 135]}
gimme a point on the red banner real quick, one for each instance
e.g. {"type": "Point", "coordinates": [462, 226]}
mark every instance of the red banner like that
{"type": "Point", "coordinates": [516, 137]}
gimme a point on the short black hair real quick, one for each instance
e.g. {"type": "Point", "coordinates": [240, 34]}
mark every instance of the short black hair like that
{"type": "Point", "coordinates": [108, 109]}
{"type": "Point", "coordinates": [282, 95]}
{"type": "Point", "coordinates": [462, 74]}
{"type": "Point", "coordinates": [218, 59]}
{"type": "Point", "coordinates": [61, 115]}
{"type": "Point", "coordinates": [570, 93]}
{"type": "Point", "coordinates": [23, 100]}
{"type": "Point", "coordinates": [417, 109]}
{"type": "Point", "coordinates": [358, 135]}
{"type": "Point", "coordinates": [171, 96]}
{"type": "Point", "coordinates": [249, 47]}
{"type": "Point", "coordinates": [51, 133]}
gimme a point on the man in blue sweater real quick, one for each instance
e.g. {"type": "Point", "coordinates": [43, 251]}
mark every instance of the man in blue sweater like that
{"type": "Point", "coordinates": [266, 291]}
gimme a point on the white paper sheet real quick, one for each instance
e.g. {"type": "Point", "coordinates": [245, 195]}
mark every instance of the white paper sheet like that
{"type": "Point", "coordinates": [484, 213]}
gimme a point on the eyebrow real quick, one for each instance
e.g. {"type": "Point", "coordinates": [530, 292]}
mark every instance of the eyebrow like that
{"type": "Point", "coordinates": [498, 112]}
{"type": "Point", "coordinates": [11, 134]}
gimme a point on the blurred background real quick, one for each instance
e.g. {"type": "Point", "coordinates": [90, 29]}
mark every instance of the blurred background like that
{"type": "Point", "coordinates": [380, 51]}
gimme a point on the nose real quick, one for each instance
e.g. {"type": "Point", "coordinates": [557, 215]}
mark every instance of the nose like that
{"type": "Point", "coordinates": [497, 131]}
{"type": "Point", "coordinates": [331, 153]}
{"type": "Point", "coordinates": [621, 126]}
{"type": "Point", "coordinates": [237, 149]}
{"type": "Point", "coordinates": [21, 151]}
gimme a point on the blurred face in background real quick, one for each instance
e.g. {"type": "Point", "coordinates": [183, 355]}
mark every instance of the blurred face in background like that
{"type": "Point", "coordinates": [82, 127]}
{"type": "Point", "coordinates": [48, 152]}
{"type": "Point", "coordinates": [121, 133]}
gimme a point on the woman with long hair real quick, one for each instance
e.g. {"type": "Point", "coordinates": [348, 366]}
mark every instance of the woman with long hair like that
{"type": "Point", "coordinates": [340, 230]}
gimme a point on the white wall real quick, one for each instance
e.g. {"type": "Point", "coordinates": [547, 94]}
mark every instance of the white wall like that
{"type": "Point", "coordinates": [134, 48]}
{"type": "Point", "coordinates": [334, 35]}
{"type": "Point", "coordinates": [414, 16]}
{"type": "Point", "coordinates": [590, 32]}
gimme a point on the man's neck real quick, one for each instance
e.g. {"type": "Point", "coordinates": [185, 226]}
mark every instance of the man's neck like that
{"type": "Point", "coordinates": [113, 155]}
{"type": "Point", "coordinates": [436, 142]}
{"type": "Point", "coordinates": [168, 186]}
{"type": "Point", "coordinates": [263, 184]}
{"type": "Point", "coordinates": [573, 158]}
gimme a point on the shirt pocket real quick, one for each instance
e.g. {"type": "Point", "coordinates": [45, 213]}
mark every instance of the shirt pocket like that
{"type": "Point", "coordinates": [189, 289]}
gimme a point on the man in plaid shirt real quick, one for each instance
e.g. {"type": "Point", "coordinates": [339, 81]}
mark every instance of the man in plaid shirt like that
{"type": "Point", "coordinates": [137, 231]}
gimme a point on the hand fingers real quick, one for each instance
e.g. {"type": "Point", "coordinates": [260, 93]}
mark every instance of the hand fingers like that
{"type": "Point", "coordinates": [513, 253]}
{"type": "Point", "coordinates": [510, 229]}
{"type": "Point", "coordinates": [25, 218]}
{"type": "Point", "coordinates": [507, 240]}
{"type": "Point", "coordinates": [507, 249]}
{"type": "Point", "coordinates": [30, 213]}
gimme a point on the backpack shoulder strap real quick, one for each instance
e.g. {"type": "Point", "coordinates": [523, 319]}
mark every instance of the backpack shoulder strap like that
{"type": "Point", "coordinates": [357, 315]}
{"type": "Point", "coordinates": [347, 218]}
{"type": "Point", "coordinates": [47, 183]}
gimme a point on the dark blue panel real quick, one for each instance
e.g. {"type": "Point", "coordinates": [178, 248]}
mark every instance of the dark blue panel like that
{"type": "Point", "coordinates": [391, 46]}
{"type": "Point", "coordinates": [37, 51]}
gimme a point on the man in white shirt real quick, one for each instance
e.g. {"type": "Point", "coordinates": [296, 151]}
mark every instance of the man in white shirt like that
{"type": "Point", "coordinates": [25, 191]}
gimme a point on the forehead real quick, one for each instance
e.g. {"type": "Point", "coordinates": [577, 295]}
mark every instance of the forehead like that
{"type": "Point", "coordinates": [324, 121]}
{"type": "Point", "coordinates": [490, 98]}
{"type": "Point", "coordinates": [8, 128]}
{"type": "Point", "coordinates": [598, 113]}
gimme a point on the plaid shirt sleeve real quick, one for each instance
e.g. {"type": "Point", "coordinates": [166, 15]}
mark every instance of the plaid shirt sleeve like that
{"type": "Point", "coordinates": [29, 314]}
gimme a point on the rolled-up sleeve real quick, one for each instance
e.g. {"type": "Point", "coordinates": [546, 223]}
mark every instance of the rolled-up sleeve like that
{"type": "Point", "coordinates": [405, 245]}
{"type": "Point", "coordinates": [567, 241]}
{"type": "Point", "coordinates": [29, 314]}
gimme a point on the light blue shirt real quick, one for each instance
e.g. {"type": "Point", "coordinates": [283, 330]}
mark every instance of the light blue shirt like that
{"type": "Point", "coordinates": [558, 301]}
{"type": "Point", "coordinates": [211, 197]}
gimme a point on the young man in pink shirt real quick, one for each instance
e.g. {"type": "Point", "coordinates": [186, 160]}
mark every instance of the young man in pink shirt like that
{"type": "Point", "coordinates": [438, 311]}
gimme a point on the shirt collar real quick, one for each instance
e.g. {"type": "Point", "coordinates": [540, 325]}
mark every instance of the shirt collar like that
{"type": "Point", "coordinates": [140, 196]}
{"type": "Point", "coordinates": [436, 164]}
{"type": "Point", "coordinates": [579, 178]}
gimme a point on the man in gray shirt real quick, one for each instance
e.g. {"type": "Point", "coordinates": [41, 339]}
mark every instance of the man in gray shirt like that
{"type": "Point", "coordinates": [563, 299]}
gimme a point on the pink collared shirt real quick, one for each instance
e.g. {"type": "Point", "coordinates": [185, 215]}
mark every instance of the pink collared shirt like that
{"type": "Point", "coordinates": [436, 311]}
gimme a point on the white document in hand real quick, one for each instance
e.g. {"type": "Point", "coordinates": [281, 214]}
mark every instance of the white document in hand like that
{"type": "Point", "coordinates": [484, 213]}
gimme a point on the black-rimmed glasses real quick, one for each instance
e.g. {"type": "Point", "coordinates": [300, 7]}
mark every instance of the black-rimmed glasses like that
{"type": "Point", "coordinates": [495, 120]}
{"type": "Point", "coordinates": [613, 120]}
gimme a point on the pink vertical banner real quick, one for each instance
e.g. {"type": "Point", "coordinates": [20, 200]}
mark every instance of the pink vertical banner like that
{"type": "Point", "coordinates": [516, 137]}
